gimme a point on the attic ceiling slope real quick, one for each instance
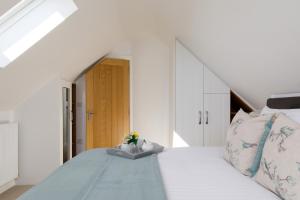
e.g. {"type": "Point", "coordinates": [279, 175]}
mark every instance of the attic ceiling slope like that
{"type": "Point", "coordinates": [252, 45]}
{"type": "Point", "coordinates": [83, 38]}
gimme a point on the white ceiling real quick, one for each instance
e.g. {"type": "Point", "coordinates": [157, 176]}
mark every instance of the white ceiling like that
{"type": "Point", "coordinates": [253, 45]}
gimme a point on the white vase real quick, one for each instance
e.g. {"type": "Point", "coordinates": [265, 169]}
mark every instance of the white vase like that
{"type": "Point", "coordinates": [133, 148]}
{"type": "Point", "coordinates": [125, 147]}
{"type": "Point", "coordinates": [140, 143]}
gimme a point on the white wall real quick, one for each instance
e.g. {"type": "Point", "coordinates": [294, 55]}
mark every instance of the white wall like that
{"type": "Point", "coordinates": [151, 65]}
{"type": "Point", "coordinates": [40, 133]}
{"type": "Point", "coordinates": [80, 115]}
{"type": "Point", "coordinates": [6, 116]}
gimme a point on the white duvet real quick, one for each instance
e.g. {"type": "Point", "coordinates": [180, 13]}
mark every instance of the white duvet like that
{"type": "Point", "coordinates": [203, 174]}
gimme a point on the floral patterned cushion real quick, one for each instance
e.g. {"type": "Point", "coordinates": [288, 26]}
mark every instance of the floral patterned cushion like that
{"type": "Point", "coordinates": [243, 137]}
{"type": "Point", "coordinates": [280, 164]}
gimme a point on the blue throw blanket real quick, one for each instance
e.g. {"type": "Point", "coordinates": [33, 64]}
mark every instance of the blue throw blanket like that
{"type": "Point", "coordinates": [94, 175]}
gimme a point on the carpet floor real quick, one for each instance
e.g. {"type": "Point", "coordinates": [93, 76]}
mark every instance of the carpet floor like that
{"type": "Point", "coordinates": [15, 192]}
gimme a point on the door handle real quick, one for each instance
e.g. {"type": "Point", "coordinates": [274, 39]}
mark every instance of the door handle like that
{"type": "Point", "coordinates": [200, 117]}
{"type": "Point", "coordinates": [89, 115]}
{"type": "Point", "coordinates": [206, 117]}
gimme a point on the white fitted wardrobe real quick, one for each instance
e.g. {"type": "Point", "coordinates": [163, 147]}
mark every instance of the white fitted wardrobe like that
{"type": "Point", "coordinates": [202, 102]}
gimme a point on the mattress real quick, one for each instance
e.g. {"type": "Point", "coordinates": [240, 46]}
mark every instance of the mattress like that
{"type": "Point", "coordinates": [202, 174]}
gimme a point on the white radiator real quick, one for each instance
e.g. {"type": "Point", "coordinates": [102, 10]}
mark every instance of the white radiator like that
{"type": "Point", "coordinates": [8, 153]}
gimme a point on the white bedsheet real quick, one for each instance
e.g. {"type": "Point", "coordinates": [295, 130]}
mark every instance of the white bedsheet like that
{"type": "Point", "coordinates": [202, 174]}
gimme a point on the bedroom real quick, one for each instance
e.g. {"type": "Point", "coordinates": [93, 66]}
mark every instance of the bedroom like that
{"type": "Point", "coordinates": [248, 47]}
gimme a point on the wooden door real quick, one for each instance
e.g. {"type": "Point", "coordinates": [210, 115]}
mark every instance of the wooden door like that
{"type": "Point", "coordinates": [216, 118]}
{"type": "Point", "coordinates": [189, 99]}
{"type": "Point", "coordinates": [107, 103]}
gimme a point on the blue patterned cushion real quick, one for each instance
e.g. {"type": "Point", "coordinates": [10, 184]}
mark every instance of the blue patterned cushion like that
{"type": "Point", "coordinates": [279, 169]}
{"type": "Point", "coordinates": [243, 137]}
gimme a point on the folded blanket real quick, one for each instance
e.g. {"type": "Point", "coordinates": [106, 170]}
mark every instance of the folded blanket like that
{"type": "Point", "coordinates": [96, 175]}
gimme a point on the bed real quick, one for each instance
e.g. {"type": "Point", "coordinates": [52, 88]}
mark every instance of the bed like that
{"type": "Point", "coordinates": [192, 173]}
{"type": "Point", "coordinates": [186, 174]}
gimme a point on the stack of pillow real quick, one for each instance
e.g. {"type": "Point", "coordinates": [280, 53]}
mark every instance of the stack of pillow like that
{"type": "Point", "coordinates": [267, 147]}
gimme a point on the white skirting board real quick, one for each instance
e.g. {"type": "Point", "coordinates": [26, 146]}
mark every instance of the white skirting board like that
{"type": "Point", "coordinates": [8, 153]}
{"type": "Point", "coordinates": [7, 186]}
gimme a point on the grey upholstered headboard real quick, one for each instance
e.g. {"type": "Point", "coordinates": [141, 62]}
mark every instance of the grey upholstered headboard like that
{"type": "Point", "coordinates": [292, 102]}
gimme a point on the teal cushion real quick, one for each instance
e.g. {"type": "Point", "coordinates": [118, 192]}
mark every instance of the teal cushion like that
{"type": "Point", "coordinates": [254, 168]}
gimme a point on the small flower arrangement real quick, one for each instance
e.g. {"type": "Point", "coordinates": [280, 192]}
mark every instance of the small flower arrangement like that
{"type": "Point", "coordinates": [132, 138]}
{"type": "Point", "coordinates": [134, 144]}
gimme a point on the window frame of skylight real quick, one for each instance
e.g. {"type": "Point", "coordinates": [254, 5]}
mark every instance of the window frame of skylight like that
{"type": "Point", "coordinates": [18, 13]}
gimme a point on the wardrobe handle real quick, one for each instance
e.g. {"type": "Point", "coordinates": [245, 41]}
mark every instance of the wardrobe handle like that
{"type": "Point", "coordinates": [200, 117]}
{"type": "Point", "coordinates": [206, 117]}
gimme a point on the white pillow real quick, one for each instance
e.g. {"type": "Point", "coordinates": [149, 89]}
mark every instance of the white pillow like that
{"type": "Point", "coordinates": [294, 114]}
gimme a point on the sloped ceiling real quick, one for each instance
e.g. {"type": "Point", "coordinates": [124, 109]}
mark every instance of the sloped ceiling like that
{"type": "Point", "coordinates": [253, 45]}
{"type": "Point", "coordinates": [78, 42]}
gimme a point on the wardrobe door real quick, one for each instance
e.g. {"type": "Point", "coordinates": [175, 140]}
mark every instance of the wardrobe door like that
{"type": "Point", "coordinates": [216, 118]}
{"type": "Point", "coordinates": [213, 84]}
{"type": "Point", "coordinates": [189, 99]}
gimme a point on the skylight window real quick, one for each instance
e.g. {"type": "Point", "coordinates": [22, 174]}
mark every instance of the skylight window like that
{"type": "Point", "coordinates": [27, 23]}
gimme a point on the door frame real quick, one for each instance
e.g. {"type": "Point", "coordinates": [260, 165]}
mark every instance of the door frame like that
{"type": "Point", "coordinates": [62, 84]}
{"type": "Point", "coordinates": [74, 120]}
